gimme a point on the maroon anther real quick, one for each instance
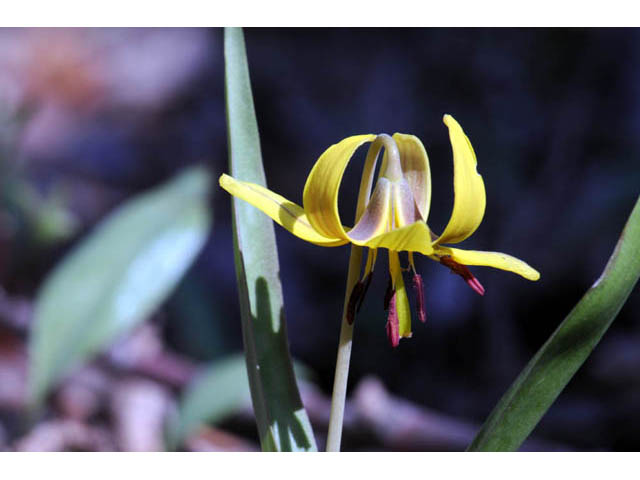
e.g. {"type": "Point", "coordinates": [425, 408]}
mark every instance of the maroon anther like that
{"type": "Point", "coordinates": [366, 282]}
{"type": "Point", "coordinates": [418, 288]}
{"type": "Point", "coordinates": [354, 298]}
{"type": "Point", "coordinates": [393, 324]}
{"type": "Point", "coordinates": [475, 285]}
{"type": "Point", "coordinates": [464, 272]}
{"type": "Point", "coordinates": [388, 294]}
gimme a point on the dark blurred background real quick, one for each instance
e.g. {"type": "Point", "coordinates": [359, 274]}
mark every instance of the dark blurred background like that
{"type": "Point", "coordinates": [91, 117]}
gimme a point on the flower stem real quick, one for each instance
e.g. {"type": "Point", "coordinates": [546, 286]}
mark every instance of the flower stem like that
{"type": "Point", "coordinates": [344, 355]}
{"type": "Point", "coordinates": [392, 168]}
{"type": "Point", "coordinates": [346, 330]}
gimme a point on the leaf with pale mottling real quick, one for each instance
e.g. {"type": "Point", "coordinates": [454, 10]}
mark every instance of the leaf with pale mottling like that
{"type": "Point", "coordinates": [282, 421]}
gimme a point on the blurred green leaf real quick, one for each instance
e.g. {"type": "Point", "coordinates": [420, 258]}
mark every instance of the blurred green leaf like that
{"type": "Point", "coordinates": [47, 218]}
{"type": "Point", "coordinates": [117, 276]}
{"type": "Point", "coordinates": [219, 391]}
{"type": "Point", "coordinates": [282, 422]}
{"type": "Point", "coordinates": [539, 384]}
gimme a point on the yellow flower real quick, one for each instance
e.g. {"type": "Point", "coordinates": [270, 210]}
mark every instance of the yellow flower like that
{"type": "Point", "coordinates": [393, 216]}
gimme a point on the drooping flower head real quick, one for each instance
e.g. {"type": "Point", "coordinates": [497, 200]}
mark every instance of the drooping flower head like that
{"type": "Point", "coordinates": [391, 215]}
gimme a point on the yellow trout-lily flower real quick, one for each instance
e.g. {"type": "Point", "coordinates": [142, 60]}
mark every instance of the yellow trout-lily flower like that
{"type": "Point", "coordinates": [393, 216]}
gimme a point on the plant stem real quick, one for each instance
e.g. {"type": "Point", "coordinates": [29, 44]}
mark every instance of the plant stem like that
{"type": "Point", "coordinates": [355, 262]}
{"type": "Point", "coordinates": [344, 355]}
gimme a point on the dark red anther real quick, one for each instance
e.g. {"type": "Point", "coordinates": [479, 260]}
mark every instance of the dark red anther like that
{"type": "Point", "coordinates": [475, 285]}
{"type": "Point", "coordinates": [393, 324]}
{"type": "Point", "coordinates": [388, 294]}
{"type": "Point", "coordinates": [418, 288]}
{"type": "Point", "coordinates": [464, 272]}
{"type": "Point", "coordinates": [355, 296]}
{"type": "Point", "coordinates": [366, 282]}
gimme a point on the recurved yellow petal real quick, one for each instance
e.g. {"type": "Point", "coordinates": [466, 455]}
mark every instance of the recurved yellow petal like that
{"type": "Point", "coordinates": [468, 187]}
{"type": "Point", "coordinates": [412, 238]}
{"type": "Point", "coordinates": [320, 198]}
{"type": "Point", "coordinates": [490, 259]}
{"type": "Point", "coordinates": [415, 166]}
{"type": "Point", "coordinates": [402, 300]}
{"type": "Point", "coordinates": [281, 210]}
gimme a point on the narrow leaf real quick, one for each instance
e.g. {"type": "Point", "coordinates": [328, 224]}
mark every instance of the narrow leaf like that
{"type": "Point", "coordinates": [117, 276]}
{"type": "Point", "coordinates": [549, 371]}
{"type": "Point", "coordinates": [282, 422]}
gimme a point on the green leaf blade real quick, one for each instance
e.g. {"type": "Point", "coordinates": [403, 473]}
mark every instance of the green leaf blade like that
{"type": "Point", "coordinates": [117, 276]}
{"type": "Point", "coordinates": [282, 422]}
{"type": "Point", "coordinates": [545, 376]}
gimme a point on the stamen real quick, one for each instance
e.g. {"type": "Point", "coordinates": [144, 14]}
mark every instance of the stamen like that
{"type": "Point", "coordinates": [354, 298]}
{"type": "Point", "coordinates": [372, 255]}
{"type": "Point", "coordinates": [412, 265]}
{"type": "Point", "coordinates": [464, 272]}
{"type": "Point", "coordinates": [366, 282]}
{"type": "Point", "coordinates": [388, 294]}
{"type": "Point", "coordinates": [418, 288]}
{"type": "Point", "coordinates": [475, 285]}
{"type": "Point", "coordinates": [393, 324]}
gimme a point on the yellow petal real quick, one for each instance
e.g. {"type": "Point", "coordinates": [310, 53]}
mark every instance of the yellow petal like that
{"type": "Point", "coordinates": [470, 200]}
{"type": "Point", "coordinates": [281, 210]}
{"type": "Point", "coordinates": [375, 219]}
{"type": "Point", "coordinates": [412, 238]}
{"type": "Point", "coordinates": [490, 259]}
{"type": "Point", "coordinates": [405, 210]}
{"type": "Point", "coordinates": [415, 166]}
{"type": "Point", "coordinates": [320, 198]}
{"type": "Point", "coordinates": [402, 300]}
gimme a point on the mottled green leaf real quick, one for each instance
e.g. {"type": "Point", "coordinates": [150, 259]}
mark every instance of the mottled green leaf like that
{"type": "Point", "coordinates": [117, 276]}
{"type": "Point", "coordinates": [549, 371]}
{"type": "Point", "coordinates": [282, 421]}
